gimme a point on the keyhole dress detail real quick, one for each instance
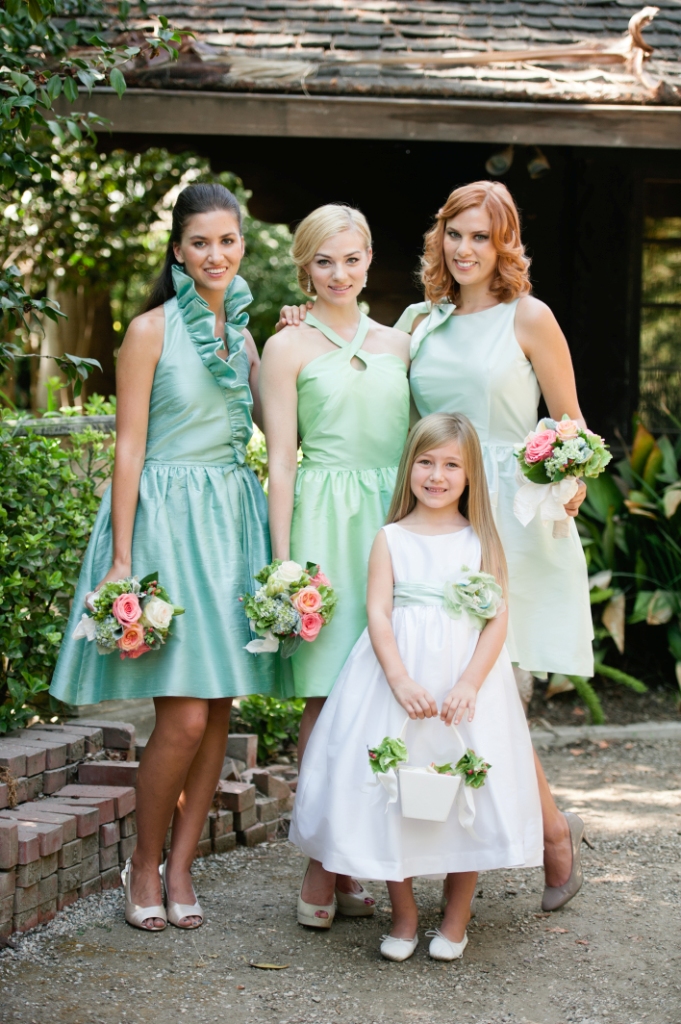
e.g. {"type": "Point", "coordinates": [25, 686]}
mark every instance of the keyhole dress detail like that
{"type": "Point", "coordinates": [352, 425]}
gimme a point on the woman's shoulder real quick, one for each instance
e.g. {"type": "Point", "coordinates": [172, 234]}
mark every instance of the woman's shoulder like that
{"type": "Point", "coordinates": [532, 312]}
{"type": "Point", "coordinates": [391, 340]}
{"type": "Point", "coordinates": [145, 332]}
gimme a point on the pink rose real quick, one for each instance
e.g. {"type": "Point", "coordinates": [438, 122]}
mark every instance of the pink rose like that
{"type": "Point", "coordinates": [540, 446]}
{"type": "Point", "coordinates": [127, 609]}
{"type": "Point", "coordinates": [312, 622]}
{"type": "Point", "coordinates": [307, 600]}
{"type": "Point", "coordinates": [142, 649]}
{"type": "Point", "coordinates": [567, 429]}
{"type": "Point", "coordinates": [133, 637]}
{"type": "Point", "coordinates": [320, 580]}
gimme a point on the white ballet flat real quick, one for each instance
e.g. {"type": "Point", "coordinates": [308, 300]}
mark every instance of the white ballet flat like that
{"type": "Point", "coordinates": [354, 904]}
{"type": "Point", "coordinates": [178, 911]}
{"type": "Point", "coordinates": [136, 915]}
{"type": "Point", "coordinates": [398, 949]}
{"type": "Point", "coordinates": [307, 912]}
{"type": "Point", "coordinates": [442, 948]}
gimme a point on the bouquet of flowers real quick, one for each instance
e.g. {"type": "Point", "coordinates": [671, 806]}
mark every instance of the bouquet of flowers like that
{"type": "Point", "coordinates": [292, 605]}
{"type": "Point", "coordinates": [551, 460]}
{"type": "Point", "coordinates": [130, 616]}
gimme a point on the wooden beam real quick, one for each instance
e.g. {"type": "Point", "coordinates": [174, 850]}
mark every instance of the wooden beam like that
{"type": "Point", "coordinates": [161, 111]}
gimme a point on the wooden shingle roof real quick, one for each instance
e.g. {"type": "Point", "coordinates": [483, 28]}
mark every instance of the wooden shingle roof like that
{"type": "Point", "coordinates": [599, 51]}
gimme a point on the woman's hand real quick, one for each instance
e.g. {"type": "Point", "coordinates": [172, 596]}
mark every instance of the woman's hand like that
{"type": "Point", "coordinates": [118, 571]}
{"type": "Point", "coordinates": [290, 316]}
{"type": "Point", "coordinates": [460, 698]}
{"type": "Point", "coordinates": [415, 700]}
{"type": "Point", "coordinates": [572, 506]}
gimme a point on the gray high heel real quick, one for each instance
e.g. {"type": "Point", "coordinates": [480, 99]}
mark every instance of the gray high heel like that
{"type": "Point", "coordinates": [557, 896]}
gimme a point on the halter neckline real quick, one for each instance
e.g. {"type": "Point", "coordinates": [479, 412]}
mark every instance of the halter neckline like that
{"type": "Point", "coordinates": [352, 347]}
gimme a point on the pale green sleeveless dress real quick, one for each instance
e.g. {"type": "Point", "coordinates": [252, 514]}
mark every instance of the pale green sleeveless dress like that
{"type": "Point", "coordinates": [473, 364]}
{"type": "Point", "coordinates": [353, 425]}
{"type": "Point", "coordinates": [201, 521]}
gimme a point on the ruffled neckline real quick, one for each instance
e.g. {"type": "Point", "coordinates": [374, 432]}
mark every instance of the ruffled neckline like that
{"type": "Point", "coordinates": [437, 314]}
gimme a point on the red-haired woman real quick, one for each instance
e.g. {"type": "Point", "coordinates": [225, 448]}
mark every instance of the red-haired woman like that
{"type": "Point", "coordinates": [484, 346]}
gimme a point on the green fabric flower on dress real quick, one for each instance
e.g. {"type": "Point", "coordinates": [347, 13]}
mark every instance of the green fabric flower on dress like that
{"type": "Point", "coordinates": [476, 593]}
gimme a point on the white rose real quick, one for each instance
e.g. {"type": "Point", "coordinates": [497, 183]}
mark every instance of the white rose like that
{"type": "Point", "coordinates": [288, 572]}
{"type": "Point", "coordinates": [157, 613]}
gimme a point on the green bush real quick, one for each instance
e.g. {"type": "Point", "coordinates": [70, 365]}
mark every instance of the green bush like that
{"type": "Point", "coordinates": [275, 722]}
{"type": "Point", "coordinates": [51, 491]}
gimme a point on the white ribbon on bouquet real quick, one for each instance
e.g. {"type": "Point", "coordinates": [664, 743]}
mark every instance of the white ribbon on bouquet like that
{"type": "Point", "coordinates": [264, 645]}
{"type": "Point", "coordinates": [548, 500]}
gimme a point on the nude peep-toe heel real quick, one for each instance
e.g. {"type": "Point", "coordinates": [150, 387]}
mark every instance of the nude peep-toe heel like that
{"type": "Point", "coordinates": [178, 911]}
{"type": "Point", "coordinates": [136, 915]}
{"type": "Point", "coordinates": [307, 911]}
{"type": "Point", "coordinates": [355, 904]}
{"type": "Point", "coordinates": [557, 896]}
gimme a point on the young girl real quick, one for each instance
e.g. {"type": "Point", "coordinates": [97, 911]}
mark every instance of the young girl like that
{"type": "Point", "coordinates": [432, 662]}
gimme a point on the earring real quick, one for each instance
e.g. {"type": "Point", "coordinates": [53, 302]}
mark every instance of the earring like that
{"type": "Point", "coordinates": [309, 284]}
{"type": "Point", "coordinates": [366, 278]}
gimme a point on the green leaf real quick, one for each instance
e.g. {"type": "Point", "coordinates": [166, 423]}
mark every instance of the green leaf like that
{"type": "Point", "coordinates": [70, 90]}
{"type": "Point", "coordinates": [117, 81]}
{"type": "Point", "coordinates": [54, 87]}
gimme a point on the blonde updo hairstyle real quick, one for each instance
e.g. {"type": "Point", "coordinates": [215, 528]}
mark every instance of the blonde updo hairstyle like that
{"type": "Point", "coordinates": [313, 230]}
{"type": "Point", "coordinates": [512, 277]}
{"type": "Point", "coordinates": [436, 431]}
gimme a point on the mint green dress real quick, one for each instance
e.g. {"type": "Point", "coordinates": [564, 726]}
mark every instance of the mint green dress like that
{"type": "Point", "coordinates": [352, 424]}
{"type": "Point", "coordinates": [473, 364]}
{"type": "Point", "coordinates": [201, 521]}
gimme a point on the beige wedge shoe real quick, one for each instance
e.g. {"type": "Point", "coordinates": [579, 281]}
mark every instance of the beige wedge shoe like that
{"type": "Point", "coordinates": [307, 912]}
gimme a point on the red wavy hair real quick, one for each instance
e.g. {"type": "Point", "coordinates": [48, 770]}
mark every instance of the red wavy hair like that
{"type": "Point", "coordinates": [512, 278]}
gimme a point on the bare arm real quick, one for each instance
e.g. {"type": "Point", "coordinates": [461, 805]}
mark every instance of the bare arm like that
{"type": "Point", "coordinates": [464, 694]}
{"type": "Point", "coordinates": [135, 368]}
{"type": "Point", "coordinates": [279, 395]}
{"type": "Point", "coordinates": [544, 344]}
{"type": "Point", "coordinates": [253, 377]}
{"type": "Point", "coordinates": [415, 700]}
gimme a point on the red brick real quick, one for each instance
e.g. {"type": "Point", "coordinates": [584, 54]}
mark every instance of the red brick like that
{"type": "Point", "coordinates": [90, 887]}
{"type": "Point", "coordinates": [70, 854]}
{"type": "Point", "coordinates": [123, 797]}
{"type": "Point", "coordinates": [24, 922]}
{"type": "Point", "coordinates": [108, 773]}
{"type": "Point", "coordinates": [89, 867]}
{"type": "Point", "coordinates": [21, 789]}
{"type": "Point", "coordinates": [119, 735]}
{"type": "Point", "coordinates": [90, 846]}
{"type": "Point", "coordinates": [47, 911]}
{"type": "Point", "coordinates": [34, 786]}
{"type": "Point", "coordinates": [29, 844]}
{"type": "Point", "coordinates": [104, 806]}
{"type": "Point", "coordinates": [48, 889]}
{"type": "Point", "coordinates": [204, 848]}
{"type": "Point", "coordinates": [111, 879]}
{"type": "Point", "coordinates": [39, 812]}
{"type": "Point", "coordinates": [270, 785]}
{"type": "Point", "coordinates": [87, 818]}
{"type": "Point", "coordinates": [4, 795]}
{"type": "Point", "coordinates": [234, 796]}
{"type": "Point", "coordinates": [253, 835]}
{"type": "Point", "coordinates": [230, 770]}
{"type": "Point", "coordinates": [108, 857]}
{"type": "Point", "coordinates": [94, 738]}
{"type": "Point", "coordinates": [26, 899]}
{"type": "Point", "coordinates": [13, 758]}
{"type": "Point", "coordinates": [126, 848]}
{"type": "Point", "coordinates": [109, 834]}
{"type": "Point", "coordinates": [267, 808]}
{"type": "Point", "coordinates": [69, 878]}
{"type": "Point", "coordinates": [31, 873]}
{"type": "Point", "coordinates": [50, 837]}
{"type": "Point", "coordinates": [225, 843]}
{"type": "Point", "coordinates": [9, 845]}
{"type": "Point", "coordinates": [55, 780]}
{"type": "Point", "coordinates": [6, 909]}
{"type": "Point", "coordinates": [49, 864]}
{"type": "Point", "coordinates": [6, 929]}
{"type": "Point", "coordinates": [34, 757]}
{"type": "Point", "coordinates": [129, 825]}
{"type": "Point", "coordinates": [244, 819]}
{"type": "Point", "coordinates": [221, 823]}
{"type": "Point", "coordinates": [55, 750]}
{"type": "Point", "coordinates": [8, 883]}
{"type": "Point", "coordinates": [75, 743]}
{"type": "Point", "coordinates": [244, 747]}
{"type": "Point", "coordinates": [65, 899]}
{"type": "Point", "coordinates": [205, 831]}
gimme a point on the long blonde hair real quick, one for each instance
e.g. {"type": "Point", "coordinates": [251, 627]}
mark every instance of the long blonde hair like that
{"type": "Point", "coordinates": [435, 431]}
{"type": "Point", "coordinates": [313, 230]}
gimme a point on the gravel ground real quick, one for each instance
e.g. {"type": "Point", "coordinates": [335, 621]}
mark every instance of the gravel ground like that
{"type": "Point", "coordinates": [612, 956]}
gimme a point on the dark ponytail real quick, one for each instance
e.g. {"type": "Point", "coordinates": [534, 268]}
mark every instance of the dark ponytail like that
{"type": "Point", "coordinates": [191, 200]}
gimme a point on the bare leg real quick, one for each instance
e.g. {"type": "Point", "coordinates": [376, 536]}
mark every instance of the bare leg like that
{"type": "Point", "coordinates": [557, 845]}
{"type": "Point", "coordinates": [315, 883]}
{"type": "Point", "coordinates": [405, 912]}
{"type": "Point", "coordinates": [194, 803]}
{"type": "Point", "coordinates": [460, 890]}
{"type": "Point", "coordinates": [177, 735]}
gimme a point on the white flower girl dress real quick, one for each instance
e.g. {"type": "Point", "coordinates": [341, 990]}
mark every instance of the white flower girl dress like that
{"type": "Point", "coordinates": [342, 815]}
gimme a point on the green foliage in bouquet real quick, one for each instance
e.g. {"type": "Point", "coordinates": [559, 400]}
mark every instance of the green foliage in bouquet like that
{"type": "Point", "coordinates": [472, 768]}
{"type": "Point", "coordinates": [388, 754]}
{"type": "Point", "coordinates": [275, 722]}
{"type": "Point", "coordinates": [50, 497]}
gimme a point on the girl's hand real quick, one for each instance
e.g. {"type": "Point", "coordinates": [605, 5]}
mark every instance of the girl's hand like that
{"type": "Point", "coordinates": [290, 316]}
{"type": "Point", "coordinates": [572, 507]}
{"type": "Point", "coordinates": [415, 700]}
{"type": "Point", "coordinates": [460, 698]}
{"type": "Point", "coordinates": [118, 571]}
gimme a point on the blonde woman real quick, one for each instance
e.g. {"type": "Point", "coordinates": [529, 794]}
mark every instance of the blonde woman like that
{"type": "Point", "coordinates": [340, 384]}
{"type": "Point", "coordinates": [431, 656]}
{"type": "Point", "coordinates": [483, 345]}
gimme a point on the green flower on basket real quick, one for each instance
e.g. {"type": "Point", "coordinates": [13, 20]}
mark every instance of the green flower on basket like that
{"type": "Point", "coordinates": [388, 754]}
{"type": "Point", "coordinates": [473, 769]}
{"type": "Point", "coordinates": [477, 593]}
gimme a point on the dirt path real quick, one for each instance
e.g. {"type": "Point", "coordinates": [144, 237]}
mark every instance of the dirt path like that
{"type": "Point", "coordinates": [613, 955]}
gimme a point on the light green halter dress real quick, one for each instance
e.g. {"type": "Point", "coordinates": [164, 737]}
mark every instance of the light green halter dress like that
{"type": "Point", "coordinates": [353, 424]}
{"type": "Point", "coordinates": [473, 364]}
{"type": "Point", "coordinates": [201, 521]}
